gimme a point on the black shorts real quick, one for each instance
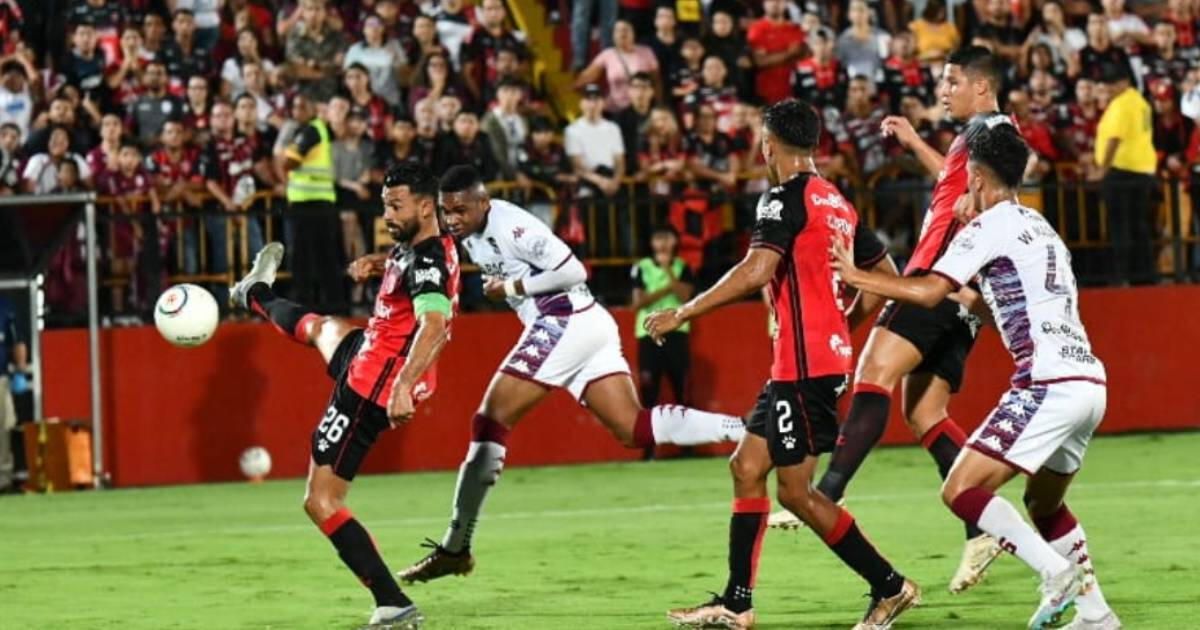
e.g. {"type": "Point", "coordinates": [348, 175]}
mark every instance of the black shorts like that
{"type": "Point", "coordinates": [798, 418]}
{"type": "Point", "coordinates": [351, 423]}
{"type": "Point", "coordinates": [943, 335]}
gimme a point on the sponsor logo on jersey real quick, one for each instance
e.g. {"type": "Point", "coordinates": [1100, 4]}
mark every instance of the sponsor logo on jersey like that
{"type": "Point", "coordinates": [770, 211]}
{"type": "Point", "coordinates": [840, 224]}
{"type": "Point", "coordinates": [518, 232]}
{"type": "Point", "coordinates": [831, 200]}
{"type": "Point", "coordinates": [431, 275]}
{"type": "Point", "coordinates": [839, 346]}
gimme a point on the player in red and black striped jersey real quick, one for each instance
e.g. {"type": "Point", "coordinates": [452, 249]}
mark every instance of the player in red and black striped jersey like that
{"type": "Point", "coordinates": [795, 419]}
{"type": "Point", "coordinates": [380, 372]}
{"type": "Point", "coordinates": [926, 349]}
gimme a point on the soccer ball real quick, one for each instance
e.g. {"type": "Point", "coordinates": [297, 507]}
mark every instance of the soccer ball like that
{"type": "Point", "coordinates": [255, 463]}
{"type": "Point", "coordinates": [186, 315]}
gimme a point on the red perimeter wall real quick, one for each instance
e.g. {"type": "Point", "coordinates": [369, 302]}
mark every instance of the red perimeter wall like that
{"type": "Point", "coordinates": [180, 416]}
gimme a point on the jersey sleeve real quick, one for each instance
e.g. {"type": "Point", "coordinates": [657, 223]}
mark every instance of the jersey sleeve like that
{"type": "Point", "coordinates": [427, 280]}
{"type": "Point", "coordinates": [778, 219]}
{"type": "Point", "coordinates": [635, 274]}
{"type": "Point", "coordinates": [868, 249]}
{"type": "Point", "coordinates": [302, 142]}
{"type": "Point", "coordinates": [535, 244]}
{"type": "Point", "coordinates": [972, 249]}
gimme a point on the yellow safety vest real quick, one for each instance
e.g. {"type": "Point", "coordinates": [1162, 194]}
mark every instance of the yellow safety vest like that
{"type": "Point", "coordinates": [313, 180]}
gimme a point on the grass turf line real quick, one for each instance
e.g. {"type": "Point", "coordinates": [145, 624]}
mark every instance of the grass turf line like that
{"type": "Point", "coordinates": [598, 546]}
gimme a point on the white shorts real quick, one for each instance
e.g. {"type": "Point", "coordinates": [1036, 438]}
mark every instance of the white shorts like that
{"type": "Point", "coordinates": [1043, 425]}
{"type": "Point", "coordinates": [569, 351]}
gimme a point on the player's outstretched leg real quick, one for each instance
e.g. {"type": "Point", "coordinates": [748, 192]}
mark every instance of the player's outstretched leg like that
{"type": "Point", "coordinates": [613, 399]}
{"type": "Point", "coordinates": [891, 592]}
{"type": "Point", "coordinates": [1044, 502]}
{"type": "Point", "coordinates": [253, 292]}
{"type": "Point", "coordinates": [324, 504]}
{"type": "Point", "coordinates": [508, 399]}
{"type": "Point", "coordinates": [734, 608]}
{"type": "Point", "coordinates": [969, 492]}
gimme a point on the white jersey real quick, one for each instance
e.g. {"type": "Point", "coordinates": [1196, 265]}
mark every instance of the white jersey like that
{"type": "Point", "coordinates": [516, 244]}
{"type": "Point", "coordinates": [1026, 279]}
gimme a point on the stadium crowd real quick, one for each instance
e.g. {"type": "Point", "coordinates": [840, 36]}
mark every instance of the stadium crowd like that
{"type": "Point", "coordinates": [191, 104]}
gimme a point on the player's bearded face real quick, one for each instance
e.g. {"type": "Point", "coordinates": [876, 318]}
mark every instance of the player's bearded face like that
{"type": "Point", "coordinates": [768, 152]}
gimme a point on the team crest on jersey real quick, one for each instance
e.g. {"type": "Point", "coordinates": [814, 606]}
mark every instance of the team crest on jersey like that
{"type": "Point", "coordinates": [431, 275]}
{"type": "Point", "coordinates": [770, 211]}
{"type": "Point", "coordinates": [839, 346]}
{"type": "Point", "coordinates": [518, 232]}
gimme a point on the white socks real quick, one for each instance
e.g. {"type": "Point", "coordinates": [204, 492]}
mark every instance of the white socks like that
{"type": "Point", "coordinates": [1000, 519]}
{"type": "Point", "coordinates": [478, 473]}
{"type": "Point", "coordinates": [684, 426]}
{"type": "Point", "coordinates": [1073, 547]}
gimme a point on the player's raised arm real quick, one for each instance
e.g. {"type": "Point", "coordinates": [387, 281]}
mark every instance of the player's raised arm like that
{"type": "Point", "coordinates": [899, 128]}
{"type": "Point", "coordinates": [748, 276]}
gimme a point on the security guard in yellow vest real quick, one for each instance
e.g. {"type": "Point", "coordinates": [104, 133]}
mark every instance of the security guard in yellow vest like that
{"type": "Point", "coordinates": [662, 281]}
{"type": "Point", "coordinates": [316, 265]}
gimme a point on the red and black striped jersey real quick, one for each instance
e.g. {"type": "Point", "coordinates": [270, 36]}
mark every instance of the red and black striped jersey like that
{"type": "Point", "coordinates": [940, 226]}
{"type": "Point", "coordinates": [797, 220]}
{"type": "Point", "coordinates": [430, 266]}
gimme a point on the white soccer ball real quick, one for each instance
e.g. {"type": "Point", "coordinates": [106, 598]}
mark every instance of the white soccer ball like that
{"type": "Point", "coordinates": [186, 315]}
{"type": "Point", "coordinates": [255, 462]}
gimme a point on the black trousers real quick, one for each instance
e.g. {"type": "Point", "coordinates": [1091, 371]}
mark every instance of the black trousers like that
{"type": "Point", "coordinates": [673, 359]}
{"type": "Point", "coordinates": [317, 266]}
{"type": "Point", "coordinates": [1131, 200]}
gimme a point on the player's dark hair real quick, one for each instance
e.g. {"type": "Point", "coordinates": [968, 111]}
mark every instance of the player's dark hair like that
{"type": "Point", "coordinates": [460, 178]}
{"type": "Point", "coordinates": [1002, 150]}
{"type": "Point", "coordinates": [417, 177]}
{"type": "Point", "coordinates": [978, 60]}
{"type": "Point", "coordinates": [795, 122]}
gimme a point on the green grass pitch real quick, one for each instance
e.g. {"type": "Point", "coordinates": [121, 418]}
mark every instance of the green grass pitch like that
{"type": "Point", "coordinates": [601, 546]}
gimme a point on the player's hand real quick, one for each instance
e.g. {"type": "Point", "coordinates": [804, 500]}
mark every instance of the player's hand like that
{"type": "Point", "coordinates": [400, 408]}
{"type": "Point", "coordinates": [841, 260]}
{"type": "Point", "coordinates": [659, 323]}
{"type": "Point", "coordinates": [899, 128]}
{"type": "Point", "coordinates": [964, 209]}
{"type": "Point", "coordinates": [493, 288]}
{"type": "Point", "coordinates": [365, 267]}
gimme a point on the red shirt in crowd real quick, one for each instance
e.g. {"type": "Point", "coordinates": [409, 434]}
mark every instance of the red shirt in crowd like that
{"type": "Point", "coordinates": [772, 37]}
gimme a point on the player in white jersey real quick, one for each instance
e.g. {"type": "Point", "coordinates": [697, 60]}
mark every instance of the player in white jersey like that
{"type": "Point", "coordinates": [569, 342]}
{"type": "Point", "coordinates": [1041, 426]}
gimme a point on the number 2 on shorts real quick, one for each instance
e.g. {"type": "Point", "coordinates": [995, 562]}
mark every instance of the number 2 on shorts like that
{"type": "Point", "coordinates": [784, 410]}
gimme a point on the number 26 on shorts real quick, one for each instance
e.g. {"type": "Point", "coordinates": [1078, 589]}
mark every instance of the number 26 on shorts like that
{"type": "Point", "coordinates": [333, 425]}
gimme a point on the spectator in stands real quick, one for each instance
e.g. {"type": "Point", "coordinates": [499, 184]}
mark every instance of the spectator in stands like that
{"type": "Point", "coordinates": [581, 28]}
{"type": "Point", "coordinates": [712, 158]}
{"type": "Point", "coordinates": [935, 35]}
{"type": "Point", "coordinates": [16, 95]}
{"type": "Point", "coordinates": [1044, 93]}
{"type": "Point", "coordinates": [262, 140]}
{"type": "Point", "coordinates": [207, 20]}
{"type": "Point", "coordinates": [315, 50]}
{"type": "Point", "coordinates": [597, 154]}
{"type": "Point", "coordinates": [661, 281]}
{"type": "Point", "coordinates": [155, 105]}
{"type": "Point", "coordinates": [1100, 50]}
{"type": "Point", "coordinates": [1126, 29]}
{"type": "Point", "coordinates": [1077, 122]}
{"type": "Point", "coordinates": [256, 86]}
{"type": "Point", "coordinates": [632, 119]}
{"type": "Point", "coordinates": [422, 42]}
{"type": "Point", "coordinates": [1039, 58]}
{"type": "Point", "coordinates": [401, 143]}
{"type": "Point", "coordinates": [10, 162]}
{"type": "Point", "coordinates": [447, 110]}
{"type": "Point", "coordinates": [1064, 42]}
{"type": "Point", "coordinates": [105, 17]}
{"type": "Point", "coordinates": [103, 158]}
{"type": "Point", "coordinates": [665, 42]}
{"type": "Point", "coordinates": [1164, 63]}
{"type": "Point", "coordinates": [137, 243]}
{"type": "Point", "coordinates": [466, 145]}
{"type": "Point", "coordinates": [1185, 16]}
{"type": "Point", "coordinates": [354, 167]}
{"type": "Point", "coordinates": [544, 161]}
{"type": "Point", "coordinates": [183, 55]}
{"type": "Point", "coordinates": [197, 108]}
{"type": "Point", "coordinates": [662, 153]}
{"type": "Point", "coordinates": [479, 50]}
{"type": "Point", "coordinates": [618, 64]}
{"type": "Point", "coordinates": [819, 78]}
{"type": "Point", "coordinates": [84, 64]}
{"type": "Point", "coordinates": [434, 80]}
{"type": "Point", "coordinates": [1000, 30]}
{"type": "Point", "coordinates": [862, 47]}
{"type": "Point", "coordinates": [1127, 161]}
{"type": "Point", "coordinates": [904, 74]}
{"type": "Point", "coordinates": [508, 66]}
{"type": "Point", "coordinates": [61, 112]}
{"type": "Point", "coordinates": [428, 129]}
{"type": "Point", "coordinates": [174, 168]}
{"type": "Point", "coordinates": [364, 102]}
{"type": "Point", "coordinates": [248, 51]}
{"type": "Point", "coordinates": [124, 77]}
{"type": "Point", "coordinates": [41, 171]}
{"type": "Point", "coordinates": [228, 162]}
{"type": "Point", "coordinates": [506, 128]}
{"type": "Point", "coordinates": [300, 114]}
{"type": "Point", "coordinates": [154, 36]}
{"type": "Point", "coordinates": [1038, 135]}
{"type": "Point", "coordinates": [453, 26]}
{"type": "Point", "coordinates": [714, 91]}
{"type": "Point", "coordinates": [776, 43]}
{"type": "Point", "coordinates": [382, 58]}
{"type": "Point", "coordinates": [1172, 132]}
{"type": "Point", "coordinates": [727, 42]}
{"type": "Point", "coordinates": [685, 78]}
{"type": "Point", "coordinates": [861, 121]}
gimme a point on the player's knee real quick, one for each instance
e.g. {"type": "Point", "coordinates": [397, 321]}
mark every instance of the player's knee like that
{"type": "Point", "coordinates": [743, 470]}
{"type": "Point", "coordinates": [320, 507]}
{"type": "Point", "coordinates": [951, 488]}
{"type": "Point", "coordinates": [875, 370]}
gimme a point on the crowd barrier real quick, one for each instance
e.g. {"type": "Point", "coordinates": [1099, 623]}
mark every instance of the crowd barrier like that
{"type": "Point", "coordinates": [183, 415]}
